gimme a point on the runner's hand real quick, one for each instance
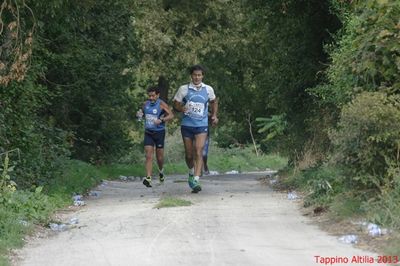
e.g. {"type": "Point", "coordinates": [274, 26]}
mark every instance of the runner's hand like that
{"type": "Point", "coordinates": [214, 120]}
{"type": "Point", "coordinates": [139, 115]}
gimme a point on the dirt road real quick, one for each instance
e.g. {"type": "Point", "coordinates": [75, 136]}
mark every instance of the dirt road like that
{"type": "Point", "coordinates": [234, 221]}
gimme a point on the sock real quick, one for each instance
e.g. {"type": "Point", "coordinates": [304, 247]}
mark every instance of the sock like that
{"type": "Point", "coordinates": [191, 171]}
{"type": "Point", "coordinates": [161, 171]}
{"type": "Point", "coordinates": [197, 178]}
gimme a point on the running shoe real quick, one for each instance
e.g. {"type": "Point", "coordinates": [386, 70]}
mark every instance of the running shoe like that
{"type": "Point", "coordinates": [191, 180]}
{"type": "Point", "coordinates": [194, 184]}
{"type": "Point", "coordinates": [161, 177]}
{"type": "Point", "coordinates": [147, 181]}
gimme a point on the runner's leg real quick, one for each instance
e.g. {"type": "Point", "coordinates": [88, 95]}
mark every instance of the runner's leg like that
{"type": "Point", "coordinates": [198, 152]}
{"type": "Point", "coordinates": [160, 163]}
{"type": "Point", "coordinates": [205, 156]}
{"type": "Point", "coordinates": [188, 143]}
{"type": "Point", "coordinates": [205, 167]}
{"type": "Point", "coordinates": [149, 150]}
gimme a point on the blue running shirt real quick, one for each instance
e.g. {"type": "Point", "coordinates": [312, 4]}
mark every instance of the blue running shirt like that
{"type": "Point", "coordinates": [197, 103]}
{"type": "Point", "coordinates": [152, 112]}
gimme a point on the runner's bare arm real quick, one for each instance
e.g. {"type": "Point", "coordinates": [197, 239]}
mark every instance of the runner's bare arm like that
{"type": "Point", "coordinates": [170, 114]}
{"type": "Point", "coordinates": [179, 107]}
{"type": "Point", "coordinates": [214, 111]}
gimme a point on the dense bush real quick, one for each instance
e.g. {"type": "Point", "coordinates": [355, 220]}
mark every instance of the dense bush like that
{"type": "Point", "coordinates": [38, 147]}
{"type": "Point", "coordinates": [367, 140]}
{"type": "Point", "coordinates": [365, 55]}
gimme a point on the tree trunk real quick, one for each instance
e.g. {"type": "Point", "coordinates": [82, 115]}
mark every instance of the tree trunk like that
{"type": "Point", "coordinates": [163, 86]}
{"type": "Point", "coordinates": [251, 133]}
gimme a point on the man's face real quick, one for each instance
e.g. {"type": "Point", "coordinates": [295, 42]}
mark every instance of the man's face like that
{"type": "Point", "coordinates": [197, 77]}
{"type": "Point", "coordinates": [153, 96]}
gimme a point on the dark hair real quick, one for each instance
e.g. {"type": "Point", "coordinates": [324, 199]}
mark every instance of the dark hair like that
{"type": "Point", "coordinates": [153, 88]}
{"type": "Point", "coordinates": [196, 67]}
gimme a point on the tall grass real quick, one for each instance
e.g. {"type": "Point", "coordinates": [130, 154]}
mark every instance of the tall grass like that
{"type": "Point", "coordinates": [77, 177]}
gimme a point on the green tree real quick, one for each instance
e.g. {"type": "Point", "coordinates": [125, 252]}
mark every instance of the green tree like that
{"type": "Point", "coordinates": [70, 93]}
{"type": "Point", "coordinates": [365, 56]}
{"type": "Point", "coordinates": [88, 48]}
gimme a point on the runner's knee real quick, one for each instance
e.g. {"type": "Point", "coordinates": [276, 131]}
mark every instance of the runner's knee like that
{"type": "Point", "coordinates": [149, 156]}
{"type": "Point", "coordinates": [189, 156]}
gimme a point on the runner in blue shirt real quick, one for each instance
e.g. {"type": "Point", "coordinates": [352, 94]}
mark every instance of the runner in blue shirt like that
{"type": "Point", "coordinates": [193, 100]}
{"type": "Point", "coordinates": [156, 113]}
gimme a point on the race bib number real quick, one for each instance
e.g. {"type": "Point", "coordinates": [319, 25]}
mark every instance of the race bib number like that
{"type": "Point", "coordinates": [195, 109]}
{"type": "Point", "coordinates": [150, 119]}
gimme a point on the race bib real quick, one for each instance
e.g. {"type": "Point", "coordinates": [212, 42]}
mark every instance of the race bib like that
{"type": "Point", "coordinates": [195, 109]}
{"type": "Point", "coordinates": [150, 119]}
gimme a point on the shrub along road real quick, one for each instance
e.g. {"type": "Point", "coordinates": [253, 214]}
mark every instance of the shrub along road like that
{"type": "Point", "coordinates": [235, 220]}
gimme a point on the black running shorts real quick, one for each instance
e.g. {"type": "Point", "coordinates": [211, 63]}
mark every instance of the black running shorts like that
{"type": "Point", "coordinates": [154, 138]}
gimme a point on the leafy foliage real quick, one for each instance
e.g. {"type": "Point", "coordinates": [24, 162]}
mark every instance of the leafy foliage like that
{"type": "Point", "coordinates": [73, 97]}
{"type": "Point", "coordinates": [16, 40]}
{"type": "Point", "coordinates": [368, 138]}
{"type": "Point", "coordinates": [273, 126]}
{"type": "Point", "coordinates": [40, 146]}
{"type": "Point", "coordinates": [366, 56]}
{"type": "Point", "coordinates": [86, 62]}
{"type": "Point", "coordinates": [5, 183]}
